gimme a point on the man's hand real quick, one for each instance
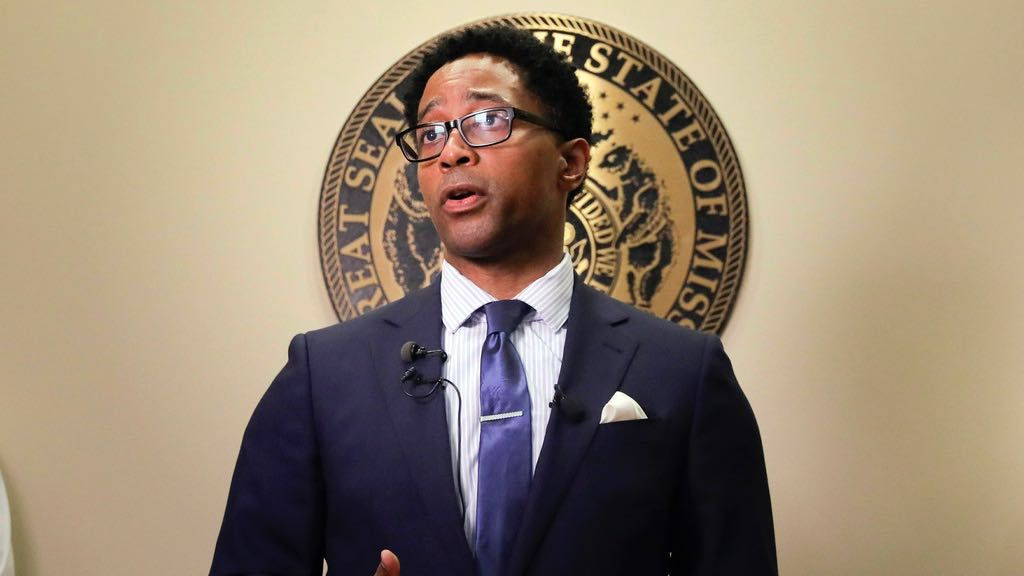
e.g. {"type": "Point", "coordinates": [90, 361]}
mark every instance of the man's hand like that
{"type": "Point", "coordinates": [388, 564]}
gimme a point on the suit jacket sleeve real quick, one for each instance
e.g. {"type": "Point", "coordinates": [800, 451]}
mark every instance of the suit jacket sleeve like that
{"type": "Point", "coordinates": [273, 523]}
{"type": "Point", "coordinates": [727, 518]}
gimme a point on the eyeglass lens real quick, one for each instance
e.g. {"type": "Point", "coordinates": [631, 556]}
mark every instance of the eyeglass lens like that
{"type": "Point", "coordinates": [480, 128]}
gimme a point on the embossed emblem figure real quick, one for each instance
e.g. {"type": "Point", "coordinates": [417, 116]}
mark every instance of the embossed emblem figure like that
{"type": "Point", "coordinates": [505, 419]}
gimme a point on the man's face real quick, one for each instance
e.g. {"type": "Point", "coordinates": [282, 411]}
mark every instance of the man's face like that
{"type": "Point", "coordinates": [503, 203]}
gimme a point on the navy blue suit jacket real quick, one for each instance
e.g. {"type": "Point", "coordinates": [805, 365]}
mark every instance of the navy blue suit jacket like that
{"type": "Point", "coordinates": [338, 462]}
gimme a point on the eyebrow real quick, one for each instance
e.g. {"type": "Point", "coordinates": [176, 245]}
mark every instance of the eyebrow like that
{"type": "Point", "coordinates": [474, 95]}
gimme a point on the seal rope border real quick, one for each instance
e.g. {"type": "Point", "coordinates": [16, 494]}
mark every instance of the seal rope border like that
{"type": "Point", "coordinates": [724, 303]}
{"type": "Point", "coordinates": [330, 262]}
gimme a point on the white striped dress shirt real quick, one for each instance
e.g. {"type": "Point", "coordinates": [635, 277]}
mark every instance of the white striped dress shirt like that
{"type": "Point", "coordinates": [539, 339]}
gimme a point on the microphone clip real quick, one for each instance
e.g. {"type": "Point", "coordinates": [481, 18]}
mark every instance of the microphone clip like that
{"type": "Point", "coordinates": [568, 406]}
{"type": "Point", "coordinates": [413, 375]}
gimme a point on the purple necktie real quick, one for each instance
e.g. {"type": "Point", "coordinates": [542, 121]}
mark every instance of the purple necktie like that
{"type": "Point", "coordinates": [505, 465]}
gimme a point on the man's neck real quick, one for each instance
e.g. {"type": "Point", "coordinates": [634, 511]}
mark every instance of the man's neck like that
{"type": "Point", "coordinates": [503, 280]}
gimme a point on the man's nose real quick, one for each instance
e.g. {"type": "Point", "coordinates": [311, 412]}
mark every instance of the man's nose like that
{"type": "Point", "coordinates": [456, 152]}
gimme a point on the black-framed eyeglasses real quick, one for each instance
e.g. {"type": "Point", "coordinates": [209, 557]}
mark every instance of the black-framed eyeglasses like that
{"type": "Point", "coordinates": [481, 128]}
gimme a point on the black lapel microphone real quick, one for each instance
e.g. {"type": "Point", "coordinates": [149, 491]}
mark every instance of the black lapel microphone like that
{"type": "Point", "coordinates": [570, 407]}
{"type": "Point", "coordinates": [412, 351]}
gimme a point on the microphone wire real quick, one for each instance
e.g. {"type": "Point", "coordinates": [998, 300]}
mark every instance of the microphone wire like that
{"type": "Point", "coordinates": [458, 449]}
{"type": "Point", "coordinates": [413, 374]}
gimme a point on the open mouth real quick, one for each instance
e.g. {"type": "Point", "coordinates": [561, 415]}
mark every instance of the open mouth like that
{"type": "Point", "coordinates": [461, 194]}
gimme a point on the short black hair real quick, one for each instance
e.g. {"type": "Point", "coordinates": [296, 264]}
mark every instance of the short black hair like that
{"type": "Point", "coordinates": [544, 72]}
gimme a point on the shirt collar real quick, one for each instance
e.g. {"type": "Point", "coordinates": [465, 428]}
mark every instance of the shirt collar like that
{"type": "Point", "coordinates": [548, 295]}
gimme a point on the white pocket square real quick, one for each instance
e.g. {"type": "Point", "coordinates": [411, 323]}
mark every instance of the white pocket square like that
{"type": "Point", "coordinates": [621, 408]}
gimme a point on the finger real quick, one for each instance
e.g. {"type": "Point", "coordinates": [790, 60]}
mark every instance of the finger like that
{"type": "Point", "coordinates": [389, 565]}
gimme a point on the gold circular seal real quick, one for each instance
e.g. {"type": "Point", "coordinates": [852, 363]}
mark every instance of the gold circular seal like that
{"type": "Point", "coordinates": [661, 223]}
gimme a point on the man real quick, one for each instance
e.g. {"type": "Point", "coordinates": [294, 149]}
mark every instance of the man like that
{"type": "Point", "coordinates": [645, 459]}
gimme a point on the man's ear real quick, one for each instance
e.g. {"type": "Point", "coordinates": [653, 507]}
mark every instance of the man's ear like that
{"type": "Point", "coordinates": [574, 162]}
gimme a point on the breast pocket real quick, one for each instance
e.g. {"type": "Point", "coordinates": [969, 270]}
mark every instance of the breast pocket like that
{"type": "Point", "coordinates": [629, 467]}
{"type": "Point", "coordinates": [630, 439]}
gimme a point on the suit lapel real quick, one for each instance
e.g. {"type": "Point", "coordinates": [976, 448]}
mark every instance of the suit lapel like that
{"type": "Point", "coordinates": [597, 353]}
{"type": "Point", "coordinates": [421, 424]}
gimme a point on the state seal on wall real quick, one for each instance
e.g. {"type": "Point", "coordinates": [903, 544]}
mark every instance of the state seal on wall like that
{"type": "Point", "coordinates": [661, 223]}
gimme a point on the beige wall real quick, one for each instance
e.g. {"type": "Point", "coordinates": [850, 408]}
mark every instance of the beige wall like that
{"type": "Point", "coordinates": [160, 170]}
